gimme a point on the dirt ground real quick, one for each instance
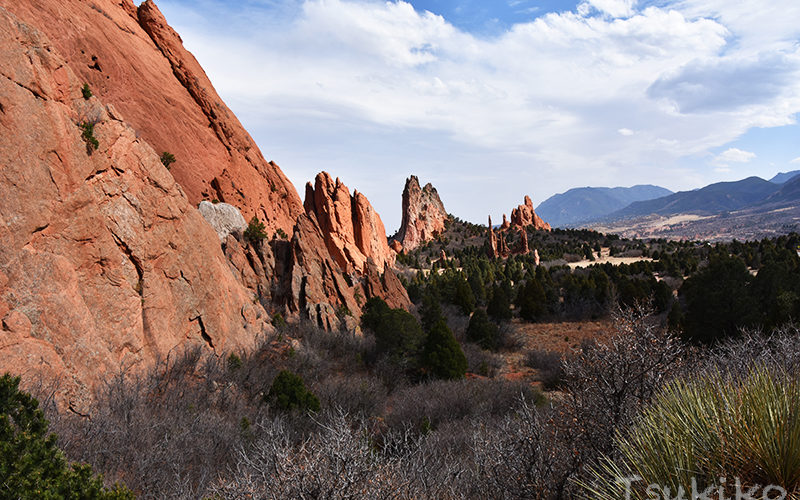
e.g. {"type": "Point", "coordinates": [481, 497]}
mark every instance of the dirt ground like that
{"type": "Point", "coordinates": [562, 337]}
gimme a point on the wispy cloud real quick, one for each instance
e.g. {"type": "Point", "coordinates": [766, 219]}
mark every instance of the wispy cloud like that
{"type": "Point", "coordinates": [796, 160]}
{"type": "Point", "coordinates": [561, 95]}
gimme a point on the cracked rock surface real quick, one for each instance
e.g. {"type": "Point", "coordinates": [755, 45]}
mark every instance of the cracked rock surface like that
{"type": "Point", "coordinates": [105, 265]}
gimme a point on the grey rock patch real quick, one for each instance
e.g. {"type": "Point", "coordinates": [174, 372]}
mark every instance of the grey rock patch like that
{"type": "Point", "coordinates": [224, 218]}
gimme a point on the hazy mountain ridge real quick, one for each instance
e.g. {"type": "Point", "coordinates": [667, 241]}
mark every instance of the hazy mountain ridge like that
{"type": "Point", "coordinates": [589, 203]}
{"type": "Point", "coordinates": [751, 208]}
{"type": "Point", "coordinates": [783, 177]}
{"type": "Point", "coordinates": [711, 199]}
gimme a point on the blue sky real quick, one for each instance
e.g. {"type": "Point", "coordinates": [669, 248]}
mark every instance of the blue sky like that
{"type": "Point", "coordinates": [492, 100]}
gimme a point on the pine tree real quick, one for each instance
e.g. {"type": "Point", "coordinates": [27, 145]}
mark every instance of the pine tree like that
{"type": "Point", "coordinates": [499, 308]}
{"type": "Point", "coordinates": [443, 357]}
{"type": "Point", "coordinates": [31, 464]}
{"type": "Point", "coordinates": [464, 298]}
{"type": "Point", "coordinates": [431, 311]}
{"type": "Point", "coordinates": [482, 331]}
{"type": "Point", "coordinates": [532, 301]}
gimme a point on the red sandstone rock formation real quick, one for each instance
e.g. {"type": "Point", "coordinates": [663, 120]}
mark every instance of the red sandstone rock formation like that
{"type": "Point", "coordinates": [352, 231]}
{"type": "Point", "coordinates": [505, 225]}
{"type": "Point", "coordinates": [106, 265]}
{"type": "Point", "coordinates": [522, 245]}
{"type": "Point", "coordinates": [498, 248]}
{"type": "Point", "coordinates": [424, 215]}
{"type": "Point", "coordinates": [396, 246]}
{"type": "Point", "coordinates": [524, 216]}
{"type": "Point", "coordinates": [299, 278]}
{"type": "Point", "coordinates": [133, 60]}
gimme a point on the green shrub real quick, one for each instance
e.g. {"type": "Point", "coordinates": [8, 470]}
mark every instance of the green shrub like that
{"type": "Point", "coordinates": [442, 356]}
{"type": "Point", "coordinates": [88, 136]}
{"type": "Point", "coordinates": [86, 91]}
{"type": "Point", "coordinates": [289, 393]}
{"type": "Point", "coordinates": [31, 465]}
{"type": "Point", "coordinates": [282, 234]}
{"type": "Point", "coordinates": [708, 429]}
{"type": "Point", "coordinates": [397, 332]}
{"type": "Point", "coordinates": [167, 159]}
{"type": "Point", "coordinates": [482, 331]}
{"type": "Point", "coordinates": [278, 321]}
{"type": "Point", "coordinates": [255, 230]}
{"type": "Point", "coordinates": [234, 362]}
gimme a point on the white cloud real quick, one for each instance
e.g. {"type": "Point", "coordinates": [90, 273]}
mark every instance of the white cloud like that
{"type": "Point", "coordinates": [796, 160]}
{"type": "Point", "coordinates": [733, 155]}
{"type": "Point", "coordinates": [613, 8]}
{"type": "Point", "coordinates": [336, 76]}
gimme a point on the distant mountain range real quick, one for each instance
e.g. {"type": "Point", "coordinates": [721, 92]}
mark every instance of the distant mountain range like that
{"type": "Point", "coordinates": [747, 209]}
{"type": "Point", "coordinates": [591, 203]}
{"type": "Point", "coordinates": [712, 199]}
{"type": "Point", "coordinates": [784, 176]}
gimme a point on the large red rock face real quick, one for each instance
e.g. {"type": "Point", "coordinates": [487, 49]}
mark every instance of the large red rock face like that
{"type": "Point", "coordinates": [105, 264]}
{"type": "Point", "coordinates": [424, 215]}
{"type": "Point", "coordinates": [132, 59]}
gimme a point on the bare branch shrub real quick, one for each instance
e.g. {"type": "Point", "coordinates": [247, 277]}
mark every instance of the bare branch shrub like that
{"type": "Point", "coordinates": [480, 361]}
{"type": "Point", "coordinates": [427, 406]}
{"type": "Point", "coordinates": [549, 366]}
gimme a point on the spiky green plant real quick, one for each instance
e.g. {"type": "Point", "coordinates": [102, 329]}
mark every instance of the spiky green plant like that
{"type": "Point", "coordinates": [707, 429]}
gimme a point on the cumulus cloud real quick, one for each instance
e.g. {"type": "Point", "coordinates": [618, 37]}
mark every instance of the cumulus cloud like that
{"type": "Point", "coordinates": [561, 94]}
{"type": "Point", "coordinates": [729, 83]}
{"type": "Point", "coordinates": [734, 155]}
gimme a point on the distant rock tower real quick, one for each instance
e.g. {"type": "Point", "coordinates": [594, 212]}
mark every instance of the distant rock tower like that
{"type": "Point", "coordinates": [424, 216]}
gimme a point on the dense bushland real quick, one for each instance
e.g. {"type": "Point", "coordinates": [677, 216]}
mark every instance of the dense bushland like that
{"type": "Point", "coordinates": [197, 426]}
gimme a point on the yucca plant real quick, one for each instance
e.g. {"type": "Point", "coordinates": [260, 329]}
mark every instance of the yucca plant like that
{"type": "Point", "coordinates": [713, 431]}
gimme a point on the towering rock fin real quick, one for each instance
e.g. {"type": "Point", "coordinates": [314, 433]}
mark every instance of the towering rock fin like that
{"type": "Point", "coordinates": [424, 216]}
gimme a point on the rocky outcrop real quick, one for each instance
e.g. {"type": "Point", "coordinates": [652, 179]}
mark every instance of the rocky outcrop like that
{"type": "Point", "coordinates": [424, 215]}
{"type": "Point", "coordinates": [300, 279]}
{"type": "Point", "coordinates": [524, 216]}
{"type": "Point", "coordinates": [498, 244]}
{"type": "Point", "coordinates": [522, 243]}
{"type": "Point", "coordinates": [225, 219]}
{"type": "Point", "coordinates": [132, 59]}
{"type": "Point", "coordinates": [106, 265]}
{"type": "Point", "coordinates": [351, 229]}
{"type": "Point", "coordinates": [498, 248]}
{"type": "Point", "coordinates": [505, 225]}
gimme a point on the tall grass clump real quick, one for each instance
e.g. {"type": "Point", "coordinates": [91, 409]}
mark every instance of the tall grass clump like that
{"type": "Point", "coordinates": [713, 431]}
